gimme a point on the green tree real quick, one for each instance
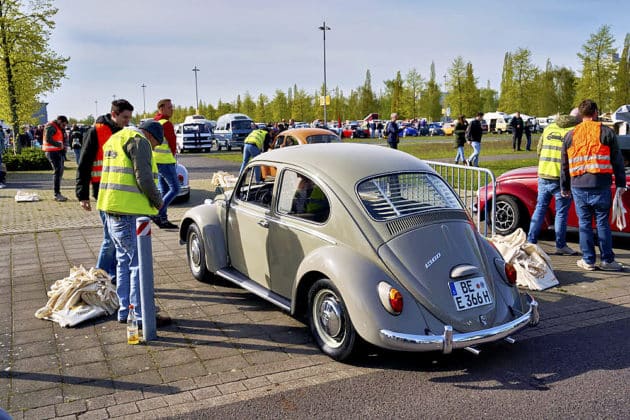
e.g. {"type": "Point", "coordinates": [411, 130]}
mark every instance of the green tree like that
{"type": "Point", "coordinates": [395, 88]}
{"type": "Point", "coordinates": [279, 106]}
{"type": "Point", "coordinates": [564, 81]}
{"type": "Point", "coordinates": [508, 93]}
{"type": "Point", "coordinates": [546, 102]}
{"type": "Point", "coordinates": [301, 109]}
{"type": "Point", "coordinates": [621, 95]}
{"type": "Point", "coordinates": [29, 68]}
{"type": "Point", "coordinates": [455, 86]}
{"type": "Point", "coordinates": [412, 88]}
{"type": "Point", "coordinates": [598, 68]}
{"type": "Point", "coordinates": [430, 101]}
{"type": "Point", "coordinates": [248, 106]}
{"type": "Point", "coordinates": [262, 113]}
{"type": "Point", "coordinates": [367, 100]}
{"type": "Point", "coordinates": [472, 97]}
{"type": "Point", "coordinates": [489, 101]}
{"type": "Point", "coordinates": [524, 80]}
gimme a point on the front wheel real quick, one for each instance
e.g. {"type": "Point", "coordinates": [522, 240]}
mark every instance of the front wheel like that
{"type": "Point", "coordinates": [509, 216]}
{"type": "Point", "coordinates": [196, 254]}
{"type": "Point", "coordinates": [330, 322]}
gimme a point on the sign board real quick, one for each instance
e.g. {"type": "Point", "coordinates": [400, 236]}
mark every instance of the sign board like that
{"type": "Point", "coordinates": [324, 100]}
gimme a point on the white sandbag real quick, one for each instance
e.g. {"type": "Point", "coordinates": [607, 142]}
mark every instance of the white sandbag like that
{"type": "Point", "coordinates": [619, 211]}
{"type": "Point", "coordinates": [23, 196]}
{"type": "Point", "coordinates": [83, 295]}
{"type": "Point", "coordinates": [223, 181]}
{"type": "Point", "coordinates": [532, 264]}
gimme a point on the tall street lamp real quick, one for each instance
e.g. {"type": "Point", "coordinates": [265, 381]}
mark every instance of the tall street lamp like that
{"type": "Point", "coordinates": [95, 109]}
{"type": "Point", "coordinates": [144, 99]}
{"type": "Point", "coordinates": [195, 70]}
{"type": "Point", "coordinates": [325, 28]}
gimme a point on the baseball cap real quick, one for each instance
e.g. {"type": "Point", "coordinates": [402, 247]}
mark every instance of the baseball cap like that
{"type": "Point", "coordinates": [155, 128]}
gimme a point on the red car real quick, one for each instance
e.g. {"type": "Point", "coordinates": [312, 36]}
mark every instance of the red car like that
{"type": "Point", "coordinates": [517, 191]}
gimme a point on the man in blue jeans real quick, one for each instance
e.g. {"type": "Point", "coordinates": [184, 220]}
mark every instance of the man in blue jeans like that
{"type": "Point", "coordinates": [164, 156]}
{"type": "Point", "coordinates": [256, 142]}
{"type": "Point", "coordinates": [590, 158]}
{"type": "Point", "coordinates": [550, 159]}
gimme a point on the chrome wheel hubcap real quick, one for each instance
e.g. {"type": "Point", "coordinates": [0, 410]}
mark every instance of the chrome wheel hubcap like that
{"type": "Point", "coordinates": [329, 318]}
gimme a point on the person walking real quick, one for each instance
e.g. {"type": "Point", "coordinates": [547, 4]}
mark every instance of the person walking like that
{"type": "Point", "coordinates": [164, 156]}
{"type": "Point", "coordinates": [517, 131]}
{"type": "Point", "coordinates": [460, 139]}
{"type": "Point", "coordinates": [54, 148]}
{"type": "Point", "coordinates": [128, 190]}
{"type": "Point", "coordinates": [549, 164]}
{"type": "Point", "coordinates": [529, 127]}
{"type": "Point", "coordinates": [474, 132]}
{"type": "Point", "coordinates": [392, 131]}
{"type": "Point", "coordinates": [76, 141]}
{"type": "Point", "coordinates": [590, 158]}
{"type": "Point", "coordinates": [90, 170]}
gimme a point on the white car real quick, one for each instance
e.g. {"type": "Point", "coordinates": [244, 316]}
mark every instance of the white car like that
{"type": "Point", "coordinates": [184, 186]}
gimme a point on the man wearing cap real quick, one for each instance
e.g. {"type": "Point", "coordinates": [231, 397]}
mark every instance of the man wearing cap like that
{"type": "Point", "coordinates": [128, 190]}
{"type": "Point", "coordinates": [550, 159]}
{"type": "Point", "coordinates": [54, 147]}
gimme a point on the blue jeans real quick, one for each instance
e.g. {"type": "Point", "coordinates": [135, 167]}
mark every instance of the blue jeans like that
{"type": "Point", "coordinates": [107, 255]}
{"type": "Point", "coordinates": [168, 185]}
{"type": "Point", "coordinates": [122, 230]}
{"type": "Point", "coordinates": [460, 154]}
{"type": "Point", "coordinates": [473, 160]}
{"type": "Point", "coordinates": [249, 151]}
{"type": "Point", "coordinates": [546, 190]}
{"type": "Point", "coordinates": [595, 202]}
{"type": "Point", "coordinates": [77, 154]}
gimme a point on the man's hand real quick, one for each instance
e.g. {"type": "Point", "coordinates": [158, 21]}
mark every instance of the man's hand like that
{"type": "Point", "coordinates": [85, 204]}
{"type": "Point", "coordinates": [565, 194]}
{"type": "Point", "coordinates": [621, 190]}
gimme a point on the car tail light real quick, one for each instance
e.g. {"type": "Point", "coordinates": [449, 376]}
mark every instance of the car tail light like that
{"type": "Point", "coordinates": [180, 178]}
{"type": "Point", "coordinates": [510, 273]}
{"type": "Point", "coordinates": [391, 298]}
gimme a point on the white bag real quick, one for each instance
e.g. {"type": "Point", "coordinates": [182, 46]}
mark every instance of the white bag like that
{"type": "Point", "coordinates": [619, 211]}
{"type": "Point", "coordinates": [532, 264]}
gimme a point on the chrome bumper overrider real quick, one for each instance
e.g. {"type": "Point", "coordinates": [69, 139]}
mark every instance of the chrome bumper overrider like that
{"type": "Point", "coordinates": [449, 341]}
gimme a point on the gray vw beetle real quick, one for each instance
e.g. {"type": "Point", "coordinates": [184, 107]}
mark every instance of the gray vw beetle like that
{"type": "Point", "coordinates": [369, 242]}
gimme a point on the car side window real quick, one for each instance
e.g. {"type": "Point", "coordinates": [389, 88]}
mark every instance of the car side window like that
{"type": "Point", "coordinates": [301, 197]}
{"type": "Point", "coordinates": [256, 186]}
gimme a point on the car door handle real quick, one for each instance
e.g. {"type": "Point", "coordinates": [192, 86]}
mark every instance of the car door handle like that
{"type": "Point", "coordinates": [263, 223]}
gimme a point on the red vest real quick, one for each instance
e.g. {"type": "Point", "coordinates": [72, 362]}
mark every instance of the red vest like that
{"type": "Point", "coordinates": [103, 133]}
{"type": "Point", "coordinates": [58, 137]}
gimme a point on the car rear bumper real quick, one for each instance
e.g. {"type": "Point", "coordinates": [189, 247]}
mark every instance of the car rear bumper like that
{"type": "Point", "coordinates": [449, 340]}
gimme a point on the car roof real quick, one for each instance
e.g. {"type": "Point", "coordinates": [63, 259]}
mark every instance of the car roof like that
{"type": "Point", "coordinates": [345, 163]}
{"type": "Point", "coordinates": [302, 133]}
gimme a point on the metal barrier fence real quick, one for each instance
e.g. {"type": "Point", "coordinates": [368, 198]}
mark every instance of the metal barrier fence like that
{"type": "Point", "coordinates": [473, 185]}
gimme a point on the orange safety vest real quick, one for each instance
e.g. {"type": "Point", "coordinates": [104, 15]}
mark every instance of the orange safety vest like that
{"type": "Point", "coordinates": [587, 154]}
{"type": "Point", "coordinates": [103, 133]}
{"type": "Point", "coordinates": [58, 136]}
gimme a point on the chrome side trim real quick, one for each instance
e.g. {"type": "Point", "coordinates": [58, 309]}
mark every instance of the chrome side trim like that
{"type": "Point", "coordinates": [449, 340]}
{"type": "Point", "coordinates": [251, 286]}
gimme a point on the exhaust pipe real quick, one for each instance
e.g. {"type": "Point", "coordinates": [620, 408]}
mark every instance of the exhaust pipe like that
{"type": "Point", "coordinates": [510, 340]}
{"type": "Point", "coordinates": [473, 350]}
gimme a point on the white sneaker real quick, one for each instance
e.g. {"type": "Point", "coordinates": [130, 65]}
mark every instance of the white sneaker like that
{"type": "Point", "coordinates": [2, 185]}
{"type": "Point", "coordinates": [566, 250]}
{"type": "Point", "coordinates": [585, 266]}
{"type": "Point", "coordinates": [611, 266]}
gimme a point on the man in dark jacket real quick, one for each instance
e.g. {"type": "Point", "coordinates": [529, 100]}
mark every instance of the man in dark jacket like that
{"type": "Point", "coordinates": [392, 131]}
{"type": "Point", "coordinates": [89, 172]}
{"type": "Point", "coordinates": [517, 131]}
{"type": "Point", "coordinates": [474, 132]}
{"type": "Point", "coordinates": [590, 158]}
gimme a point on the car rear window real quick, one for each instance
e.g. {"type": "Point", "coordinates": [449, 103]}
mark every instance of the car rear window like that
{"type": "Point", "coordinates": [322, 138]}
{"type": "Point", "coordinates": [196, 128]}
{"type": "Point", "coordinates": [392, 196]}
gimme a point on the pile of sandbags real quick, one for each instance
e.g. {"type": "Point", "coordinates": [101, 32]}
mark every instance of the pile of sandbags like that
{"type": "Point", "coordinates": [223, 181]}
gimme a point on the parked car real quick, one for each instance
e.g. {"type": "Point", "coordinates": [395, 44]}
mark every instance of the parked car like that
{"type": "Point", "coordinates": [354, 131]}
{"type": "Point", "coordinates": [516, 195]}
{"type": "Point", "coordinates": [297, 136]}
{"type": "Point", "coordinates": [184, 186]}
{"type": "Point", "coordinates": [448, 128]}
{"type": "Point", "coordinates": [346, 245]}
{"type": "Point", "coordinates": [194, 136]}
{"type": "Point", "coordinates": [435, 129]}
{"type": "Point", "coordinates": [407, 130]}
{"type": "Point", "coordinates": [231, 130]}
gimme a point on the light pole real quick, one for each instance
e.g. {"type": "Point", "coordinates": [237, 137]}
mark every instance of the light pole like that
{"type": "Point", "coordinates": [144, 100]}
{"type": "Point", "coordinates": [96, 110]}
{"type": "Point", "coordinates": [114, 97]}
{"type": "Point", "coordinates": [195, 70]}
{"type": "Point", "coordinates": [325, 28]}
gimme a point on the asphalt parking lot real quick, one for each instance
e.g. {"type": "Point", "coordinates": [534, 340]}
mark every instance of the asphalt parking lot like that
{"type": "Point", "coordinates": [224, 346]}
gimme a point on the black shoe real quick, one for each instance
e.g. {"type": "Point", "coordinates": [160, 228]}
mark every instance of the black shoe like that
{"type": "Point", "coordinates": [165, 224]}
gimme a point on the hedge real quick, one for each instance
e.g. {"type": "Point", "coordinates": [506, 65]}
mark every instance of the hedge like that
{"type": "Point", "coordinates": [29, 160]}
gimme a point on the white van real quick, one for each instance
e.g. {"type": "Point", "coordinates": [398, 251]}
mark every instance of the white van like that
{"type": "Point", "coordinates": [497, 122]}
{"type": "Point", "coordinates": [194, 135]}
{"type": "Point", "coordinates": [231, 130]}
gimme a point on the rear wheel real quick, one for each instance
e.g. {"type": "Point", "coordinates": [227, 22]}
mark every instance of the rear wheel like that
{"type": "Point", "coordinates": [509, 215]}
{"type": "Point", "coordinates": [330, 322]}
{"type": "Point", "coordinates": [196, 253]}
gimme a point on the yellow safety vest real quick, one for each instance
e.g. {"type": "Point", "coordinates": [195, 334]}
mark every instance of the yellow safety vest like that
{"type": "Point", "coordinates": [551, 151]}
{"type": "Point", "coordinates": [119, 192]}
{"type": "Point", "coordinates": [162, 153]}
{"type": "Point", "coordinates": [257, 138]}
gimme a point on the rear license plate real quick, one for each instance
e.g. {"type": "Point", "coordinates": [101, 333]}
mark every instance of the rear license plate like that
{"type": "Point", "coordinates": [470, 293]}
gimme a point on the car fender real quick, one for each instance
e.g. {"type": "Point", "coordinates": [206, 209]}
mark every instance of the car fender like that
{"type": "Point", "coordinates": [357, 278]}
{"type": "Point", "coordinates": [206, 216]}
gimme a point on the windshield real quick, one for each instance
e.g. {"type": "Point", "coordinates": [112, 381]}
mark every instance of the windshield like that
{"type": "Point", "coordinates": [397, 195]}
{"type": "Point", "coordinates": [241, 125]}
{"type": "Point", "coordinates": [322, 138]}
{"type": "Point", "coordinates": [196, 128]}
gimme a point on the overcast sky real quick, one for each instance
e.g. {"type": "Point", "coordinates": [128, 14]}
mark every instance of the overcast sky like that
{"type": "Point", "coordinates": [253, 46]}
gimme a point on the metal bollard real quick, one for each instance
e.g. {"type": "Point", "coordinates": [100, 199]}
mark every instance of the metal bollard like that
{"type": "Point", "coordinates": [145, 262]}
